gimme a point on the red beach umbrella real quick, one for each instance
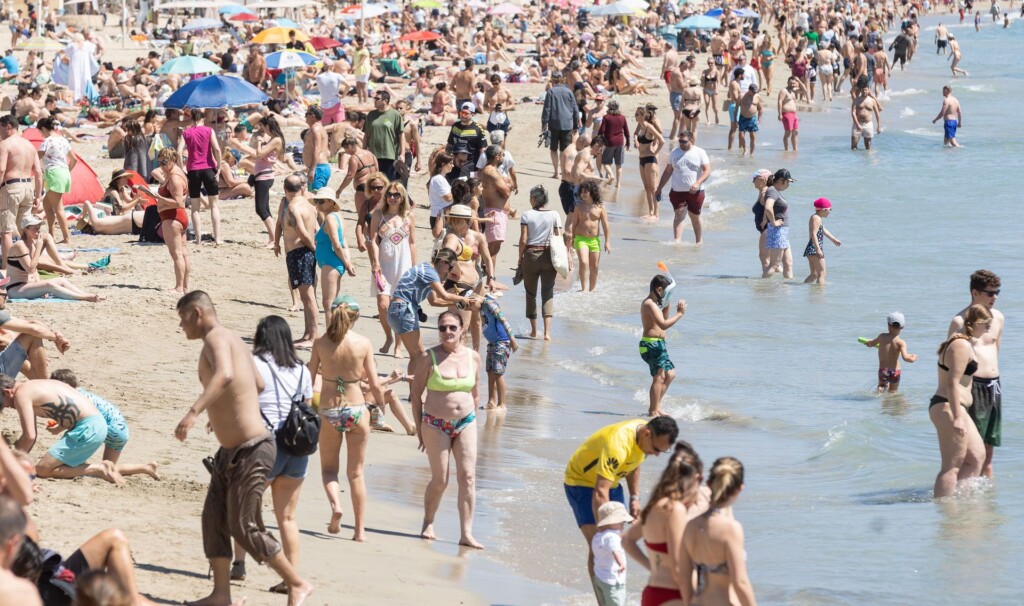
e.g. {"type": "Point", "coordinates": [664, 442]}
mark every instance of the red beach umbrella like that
{"type": "Point", "coordinates": [323, 42]}
{"type": "Point", "coordinates": [243, 17]}
{"type": "Point", "coordinates": [420, 36]}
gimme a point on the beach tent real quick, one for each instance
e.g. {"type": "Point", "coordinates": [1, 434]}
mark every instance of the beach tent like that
{"type": "Point", "coordinates": [85, 185]}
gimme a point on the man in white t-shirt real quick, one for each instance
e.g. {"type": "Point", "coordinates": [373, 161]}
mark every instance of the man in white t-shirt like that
{"type": "Point", "coordinates": [688, 167]}
{"type": "Point", "coordinates": [329, 83]}
{"type": "Point", "coordinates": [507, 166]}
{"type": "Point", "coordinates": [749, 73]}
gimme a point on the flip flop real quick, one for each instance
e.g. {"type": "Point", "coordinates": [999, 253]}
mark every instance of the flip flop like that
{"type": "Point", "coordinates": [279, 588]}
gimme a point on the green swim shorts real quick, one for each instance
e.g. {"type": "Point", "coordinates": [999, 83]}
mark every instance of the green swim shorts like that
{"type": "Point", "coordinates": [57, 179]}
{"type": "Point", "coordinates": [654, 352]}
{"type": "Point", "coordinates": [591, 242]}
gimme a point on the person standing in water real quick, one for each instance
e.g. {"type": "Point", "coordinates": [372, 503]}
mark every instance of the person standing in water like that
{"type": "Point", "coordinates": [583, 227]}
{"type": "Point", "coordinates": [814, 252]}
{"type": "Point", "coordinates": [950, 112]}
{"type": "Point", "coordinates": [890, 349]}
{"type": "Point", "coordinates": [655, 319]}
{"type": "Point", "coordinates": [987, 411]}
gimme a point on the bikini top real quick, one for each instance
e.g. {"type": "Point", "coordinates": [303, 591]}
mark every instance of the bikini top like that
{"type": "Point", "coordinates": [438, 383]}
{"type": "Point", "coordinates": [658, 547]}
{"type": "Point", "coordinates": [643, 140]}
{"type": "Point", "coordinates": [703, 570]}
{"type": "Point", "coordinates": [467, 252]}
{"type": "Point", "coordinates": [970, 369]}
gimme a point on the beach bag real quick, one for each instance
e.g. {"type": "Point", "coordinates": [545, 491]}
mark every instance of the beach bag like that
{"type": "Point", "coordinates": [559, 253]}
{"type": "Point", "coordinates": [150, 225]}
{"type": "Point", "coordinates": [300, 432]}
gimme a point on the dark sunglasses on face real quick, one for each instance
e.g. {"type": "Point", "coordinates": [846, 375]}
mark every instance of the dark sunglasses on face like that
{"type": "Point", "coordinates": [448, 328]}
{"type": "Point", "coordinates": [991, 293]}
{"type": "Point", "coordinates": [376, 188]}
{"type": "Point", "coordinates": [394, 194]}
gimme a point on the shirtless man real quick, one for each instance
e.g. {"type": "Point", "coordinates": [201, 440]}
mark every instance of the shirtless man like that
{"type": "Point", "coordinates": [498, 95]}
{"type": "Point", "coordinates": [941, 39]}
{"type": "Point", "coordinates": [787, 112]}
{"type": "Point", "coordinates": [751, 109]}
{"type": "Point", "coordinates": [864, 105]}
{"type": "Point", "coordinates": [497, 189]}
{"type": "Point", "coordinates": [825, 57]}
{"type": "Point", "coordinates": [296, 223]}
{"type": "Point", "coordinates": [950, 112]}
{"type": "Point", "coordinates": [732, 100]}
{"type": "Point", "coordinates": [231, 386]}
{"type": "Point", "coordinates": [882, 71]}
{"type": "Point", "coordinates": [21, 182]}
{"type": "Point", "coordinates": [256, 67]}
{"type": "Point", "coordinates": [314, 150]}
{"type": "Point", "coordinates": [717, 49]}
{"type": "Point", "coordinates": [846, 51]}
{"type": "Point", "coordinates": [567, 189]}
{"type": "Point", "coordinates": [669, 61]}
{"type": "Point", "coordinates": [656, 320]}
{"type": "Point", "coordinates": [464, 83]}
{"type": "Point", "coordinates": [70, 412]}
{"type": "Point", "coordinates": [987, 410]}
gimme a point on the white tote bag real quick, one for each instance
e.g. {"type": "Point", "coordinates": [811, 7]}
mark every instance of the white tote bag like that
{"type": "Point", "coordinates": [559, 253]}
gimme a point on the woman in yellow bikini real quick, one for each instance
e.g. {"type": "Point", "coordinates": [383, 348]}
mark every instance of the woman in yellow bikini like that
{"type": "Point", "coordinates": [476, 267]}
{"type": "Point", "coordinates": [444, 393]}
{"type": "Point", "coordinates": [344, 358]}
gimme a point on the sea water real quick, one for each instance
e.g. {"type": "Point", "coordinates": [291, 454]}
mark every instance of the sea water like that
{"type": "Point", "coordinates": [837, 505]}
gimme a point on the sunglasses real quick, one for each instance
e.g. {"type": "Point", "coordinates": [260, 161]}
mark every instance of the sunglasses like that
{"type": "Point", "coordinates": [376, 188]}
{"type": "Point", "coordinates": [394, 194]}
{"type": "Point", "coordinates": [684, 142]}
{"type": "Point", "coordinates": [991, 293]}
{"type": "Point", "coordinates": [448, 328]}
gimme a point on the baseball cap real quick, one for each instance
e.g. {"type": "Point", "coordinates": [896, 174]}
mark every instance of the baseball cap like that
{"type": "Point", "coordinates": [783, 173]}
{"type": "Point", "coordinates": [763, 173]}
{"type": "Point", "coordinates": [896, 318]}
{"type": "Point", "coordinates": [822, 203]}
{"type": "Point", "coordinates": [30, 220]}
{"type": "Point", "coordinates": [460, 148]}
{"type": "Point", "coordinates": [468, 107]}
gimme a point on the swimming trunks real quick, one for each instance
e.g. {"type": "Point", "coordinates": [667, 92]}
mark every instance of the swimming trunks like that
{"type": "Point", "coordinates": [866, 130]}
{"type": "Point", "coordinates": [117, 427]}
{"type": "Point", "coordinates": [888, 376]}
{"type": "Point", "coordinates": [790, 121]}
{"type": "Point", "coordinates": [13, 356]}
{"type": "Point", "coordinates": [581, 499]}
{"type": "Point", "coordinates": [321, 175]}
{"type": "Point", "coordinates": [675, 99]}
{"type": "Point", "coordinates": [734, 112]}
{"type": "Point", "coordinates": [79, 443]}
{"type": "Point", "coordinates": [451, 427]}
{"type": "Point", "coordinates": [495, 230]}
{"type": "Point", "coordinates": [497, 356]}
{"type": "Point", "coordinates": [301, 263]}
{"type": "Point", "coordinates": [343, 419]}
{"type": "Point", "coordinates": [748, 124]}
{"type": "Point", "coordinates": [692, 202]}
{"type": "Point", "coordinates": [987, 410]}
{"type": "Point", "coordinates": [655, 353]}
{"type": "Point", "coordinates": [949, 128]}
{"type": "Point", "coordinates": [593, 243]}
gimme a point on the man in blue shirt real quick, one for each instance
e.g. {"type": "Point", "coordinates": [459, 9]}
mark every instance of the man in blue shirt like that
{"type": "Point", "coordinates": [10, 67]}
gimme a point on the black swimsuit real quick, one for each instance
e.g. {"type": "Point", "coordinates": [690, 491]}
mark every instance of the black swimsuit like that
{"type": "Point", "coordinates": [645, 141]}
{"type": "Point", "coordinates": [970, 369]}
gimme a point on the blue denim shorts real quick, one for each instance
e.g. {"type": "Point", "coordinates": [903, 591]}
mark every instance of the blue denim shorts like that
{"type": "Point", "coordinates": [289, 466]}
{"type": "Point", "coordinates": [12, 358]}
{"type": "Point", "coordinates": [402, 317]}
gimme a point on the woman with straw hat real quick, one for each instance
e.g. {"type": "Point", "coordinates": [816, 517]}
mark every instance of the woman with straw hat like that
{"type": "Point", "coordinates": [476, 267]}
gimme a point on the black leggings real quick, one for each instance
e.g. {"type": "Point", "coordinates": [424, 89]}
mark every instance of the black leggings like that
{"type": "Point", "coordinates": [263, 198]}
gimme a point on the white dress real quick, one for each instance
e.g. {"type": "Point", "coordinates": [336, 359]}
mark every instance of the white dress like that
{"type": "Point", "coordinates": [395, 256]}
{"type": "Point", "coordinates": [79, 69]}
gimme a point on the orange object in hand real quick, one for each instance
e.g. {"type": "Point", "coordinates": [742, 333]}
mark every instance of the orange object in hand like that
{"type": "Point", "coordinates": [51, 423]}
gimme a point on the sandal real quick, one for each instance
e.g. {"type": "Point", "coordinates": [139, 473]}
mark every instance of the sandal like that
{"type": "Point", "coordinates": [279, 588]}
{"type": "Point", "coordinates": [238, 570]}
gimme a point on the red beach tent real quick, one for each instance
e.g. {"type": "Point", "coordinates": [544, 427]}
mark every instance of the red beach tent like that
{"type": "Point", "coordinates": [85, 184]}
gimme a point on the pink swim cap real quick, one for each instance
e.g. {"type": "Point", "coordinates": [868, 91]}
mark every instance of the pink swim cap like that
{"type": "Point", "coordinates": [821, 203]}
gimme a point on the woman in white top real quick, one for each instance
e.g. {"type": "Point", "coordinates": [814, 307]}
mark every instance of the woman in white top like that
{"type": "Point", "coordinates": [392, 252]}
{"type": "Point", "coordinates": [439, 191]}
{"type": "Point", "coordinates": [536, 227]}
{"type": "Point", "coordinates": [285, 378]}
{"type": "Point", "coordinates": [58, 161]}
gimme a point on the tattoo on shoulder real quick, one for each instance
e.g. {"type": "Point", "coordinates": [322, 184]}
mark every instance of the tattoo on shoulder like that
{"type": "Point", "coordinates": [65, 412]}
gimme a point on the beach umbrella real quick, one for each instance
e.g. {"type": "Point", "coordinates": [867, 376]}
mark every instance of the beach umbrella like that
{"type": "Point", "coordinates": [427, 4]}
{"type": "Point", "coordinates": [215, 92]}
{"type": "Point", "coordinates": [699, 22]}
{"type": "Point", "coordinates": [243, 17]}
{"type": "Point", "coordinates": [290, 59]}
{"type": "Point", "coordinates": [189, 64]}
{"type": "Point", "coordinates": [282, 22]}
{"type": "Point", "coordinates": [196, 25]}
{"type": "Point", "coordinates": [745, 13]}
{"type": "Point", "coordinates": [178, 4]}
{"type": "Point", "coordinates": [420, 36]}
{"type": "Point", "coordinates": [365, 11]}
{"type": "Point", "coordinates": [40, 43]}
{"type": "Point", "coordinates": [234, 9]}
{"type": "Point", "coordinates": [617, 9]}
{"type": "Point", "coordinates": [277, 35]}
{"type": "Point", "coordinates": [637, 4]}
{"type": "Point", "coordinates": [323, 42]}
{"type": "Point", "coordinates": [476, 4]}
{"type": "Point", "coordinates": [505, 8]}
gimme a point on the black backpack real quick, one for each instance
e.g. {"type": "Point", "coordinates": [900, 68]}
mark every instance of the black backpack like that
{"type": "Point", "coordinates": [300, 433]}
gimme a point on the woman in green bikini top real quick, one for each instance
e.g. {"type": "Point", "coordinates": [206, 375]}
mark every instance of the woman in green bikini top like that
{"type": "Point", "coordinates": [344, 358]}
{"type": "Point", "coordinates": [444, 394]}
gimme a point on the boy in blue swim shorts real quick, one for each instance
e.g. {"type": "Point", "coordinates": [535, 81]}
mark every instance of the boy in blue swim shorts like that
{"type": "Point", "coordinates": [655, 319]}
{"type": "Point", "coordinates": [500, 345]}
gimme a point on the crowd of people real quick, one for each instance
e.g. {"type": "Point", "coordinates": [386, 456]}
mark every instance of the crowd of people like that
{"type": "Point", "coordinates": [363, 110]}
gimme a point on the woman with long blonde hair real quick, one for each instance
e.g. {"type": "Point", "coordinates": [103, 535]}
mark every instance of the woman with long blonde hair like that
{"type": "Point", "coordinates": [392, 252]}
{"type": "Point", "coordinates": [960, 444]}
{"type": "Point", "coordinates": [344, 358]}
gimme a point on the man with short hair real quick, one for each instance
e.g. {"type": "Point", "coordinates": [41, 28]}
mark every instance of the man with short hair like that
{"type": "Point", "coordinates": [507, 165]}
{"type": "Point", "coordinates": [296, 224]}
{"type": "Point", "coordinates": [560, 118]}
{"type": "Point", "coordinates": [950, 113]}
{"type": "Point", "coordinates": [498, 95]}
{"type": "Point", "coordinates": [14, 591]}
{"type": "Point", "coordinates": [314, 150]}
{"type": "Point", "coordinates": [751, 109]}
{"type": "Point", "coordinates": [862, 109]}
{"type": "Point", "coordinates": [329, 83]}
{"type": "Point", "coordinates": [231, 386]}
{"type": "Point", "coordinates": [787, 112]}
{"type": "Point", "coordinates": [21, 182]}
{"type": "Point", "coordinates": [986, 390]}
{"type": "Point", "coordinates": [463, 84]}
{"type": "Point", "coordinates": [255, 67]}
{"type": "Point", "coordinates": [614, 452]}
{"type": "Point", "coordinates": [497, 189]}
{"type": "Point", "coordinates": [27, 346]}
{"type": "Point", "coordinates": [689, 168]}
{"type": "Point", "coordinates": [467, 133]}
{"type": "Point", "coordinates": [384, 133]}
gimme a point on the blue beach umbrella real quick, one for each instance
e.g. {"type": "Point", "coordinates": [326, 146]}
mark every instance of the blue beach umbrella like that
{"type": "Point", "coordinates": [215, 92]}
{"type": "Point", "coordinates": [745, 13]}
{"type": "Point", "coordinates": [234, 9]}
{"type": "Point", "coordinates": [189, 64]}
{"type": "Point", "coordinates": [699, 22]}
{"type": "Point", "coordinates": [715, 12]}
{"type": "Point", "coordinates": [290, 59]}
{"type": "Point", "coordinates": [282, 22]}
{"type": "Point", "coordinates": [196, 25]}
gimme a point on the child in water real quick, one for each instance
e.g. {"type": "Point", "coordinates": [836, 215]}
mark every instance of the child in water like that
{"type": "Point", "coordinates": [814, 252]}
{"type": "Point", "coordinates": [583, 226]}
{"type": "Point", "coordinates": [890, 349]}
{"type": "Point", "coordinates": [655, 319]}
{"type": "Point", "coordinates": [609, 556]}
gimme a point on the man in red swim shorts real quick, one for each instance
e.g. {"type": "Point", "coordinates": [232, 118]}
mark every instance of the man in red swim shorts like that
{"type": "Point", "coordinates": [688, 167]}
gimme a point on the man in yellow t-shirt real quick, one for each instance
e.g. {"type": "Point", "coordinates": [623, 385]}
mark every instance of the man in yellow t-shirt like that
{"type": "Point", "coordinates": [614, 452]}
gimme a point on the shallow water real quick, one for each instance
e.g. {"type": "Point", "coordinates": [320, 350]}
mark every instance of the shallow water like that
{"type": "Point", "coordinates": [837, 506]}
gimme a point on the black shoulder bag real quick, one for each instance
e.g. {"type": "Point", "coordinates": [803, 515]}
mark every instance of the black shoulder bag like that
{"type": "Point", "coordinates": [300, 433]}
